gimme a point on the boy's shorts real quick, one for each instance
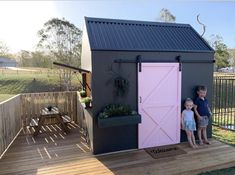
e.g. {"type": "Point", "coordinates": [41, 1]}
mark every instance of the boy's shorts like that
{"type": "Point", "coordinates": [203, 122]}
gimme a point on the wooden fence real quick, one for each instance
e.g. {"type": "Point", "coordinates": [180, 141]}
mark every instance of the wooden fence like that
{"type": "Point", "coordinates": [10, 121]}
{"type": "Point", "coordinates": [32, 103]}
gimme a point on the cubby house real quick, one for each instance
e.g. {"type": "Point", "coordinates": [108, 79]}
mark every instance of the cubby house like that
{"type": "Point", "coordinates": [157, 65]}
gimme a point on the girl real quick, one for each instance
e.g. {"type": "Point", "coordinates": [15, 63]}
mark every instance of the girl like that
{"type": "Point", "coordinates": [188, 122]}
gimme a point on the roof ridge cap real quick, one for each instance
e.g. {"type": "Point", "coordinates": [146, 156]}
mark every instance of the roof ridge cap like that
{"type": "Point", "coordinates": [134, 22]}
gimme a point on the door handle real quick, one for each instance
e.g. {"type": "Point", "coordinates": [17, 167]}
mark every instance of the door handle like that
{"type": "Point", "coordinates": [140, 99]}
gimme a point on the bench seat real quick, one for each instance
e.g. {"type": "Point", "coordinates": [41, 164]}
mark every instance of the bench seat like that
{"type": "Point", "coordinates": [66, 119]}
{"type": "Point", "coordinates": [34, 122]}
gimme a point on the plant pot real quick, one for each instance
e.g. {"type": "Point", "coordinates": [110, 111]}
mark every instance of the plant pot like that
{"type": "Point", "coordinates": [87, 104]}
{"type": "Point", "coordinates": [49, 108]}
{"type": "Point", "coordinates": [119, 121]}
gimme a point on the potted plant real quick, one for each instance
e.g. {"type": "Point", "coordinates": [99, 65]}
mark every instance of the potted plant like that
{"type": "Point", "coordinates": [49, 107]}
{"type": "Point", "coordinates": [82, 93]}
{"type": "Point", "coordinates": [87, 101]}
{"type": "Point", "coordinates": [117, 115]}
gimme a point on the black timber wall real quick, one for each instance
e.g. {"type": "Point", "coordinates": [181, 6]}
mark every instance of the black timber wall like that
{"type": "Point", "coordinates": [126, 137]}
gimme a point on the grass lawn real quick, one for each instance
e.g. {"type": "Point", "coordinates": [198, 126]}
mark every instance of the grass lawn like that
{"type": "Point", "coordinates": [227, 137]}
{"type": "Point", "coordinates": [226, 171]}
{"type": "Point", "coordinates": [223, 135]}
{"type": "Point", "coordinates": [13, 82]}
{"type": "Point", "coordinates": [4, 97]}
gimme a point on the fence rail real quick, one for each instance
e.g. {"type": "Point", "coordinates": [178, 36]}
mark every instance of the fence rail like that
{"type": "Point", "coordinates": [224, 102]}
{"type": "Point", "coordinates": [32, 103]}
{"type": "Point", "coordinates": [10, 121]}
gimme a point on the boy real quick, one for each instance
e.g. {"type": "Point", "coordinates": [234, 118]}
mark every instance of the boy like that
{"type": "Point", "coordinates": [203, 113]}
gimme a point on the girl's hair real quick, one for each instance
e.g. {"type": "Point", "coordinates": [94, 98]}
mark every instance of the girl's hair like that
{"type": "Point", "coordinates": [201, 88]}
{"type": "Point", "coordinates": [188, 100]}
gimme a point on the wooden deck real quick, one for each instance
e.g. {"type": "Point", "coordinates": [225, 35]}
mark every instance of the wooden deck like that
{"type": "Point", "coordinates": [54, 152]}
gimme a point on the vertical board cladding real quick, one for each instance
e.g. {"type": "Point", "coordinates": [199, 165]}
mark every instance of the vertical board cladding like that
{"type": "Point", "coordinates": [103, 72]}
{"type": "Point", "coordinates": [194, 74]}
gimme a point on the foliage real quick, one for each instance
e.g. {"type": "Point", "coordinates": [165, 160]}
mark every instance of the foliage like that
{"type": "Point", "coordinates": [49, 107]}
{"type": "Point", "coordinates": [34, 59]}
{"type": "Point", "coordinates": [63, 40]}
{"type": "Point", "coordinates": [82, 93]}
{"type": "Point", "coordinates": [87, 100]}
{"type": "Point", "coordinates": [119, 83]}
{"type": "Point", "coordinates": [4, 49]}
{"type": "Point", "coordinates": [232, 57]}
{"type": "Point", "coordinates": [116, 110]}
{"type": "Point", "coordinates": [121, 86]}
{"type": "Point", "coordinates": [41, 59]}
{"type": "Point", "coordinates": [166, 16]}
{"type": "Point", "coordinates": [221, 51]}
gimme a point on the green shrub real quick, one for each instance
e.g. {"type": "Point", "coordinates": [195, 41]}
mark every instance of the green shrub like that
{"type": "Point", "coordinates": [83, 93]}
{"type": "Point", "coordinates": [116, 110]}
{"type": "Point", "coordinates": [87, 100]}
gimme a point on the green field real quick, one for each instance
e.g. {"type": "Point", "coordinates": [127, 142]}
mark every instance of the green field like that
{"type": "Point", "coordinates": [32, 80]}
{"type": "Point", "coordinates": [4, 97]}
{"type": "Point", "coordinates": [223, 135]}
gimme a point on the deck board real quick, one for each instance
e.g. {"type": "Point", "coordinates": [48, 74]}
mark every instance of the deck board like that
{"type": "Point", "coordinates": [54, 152]}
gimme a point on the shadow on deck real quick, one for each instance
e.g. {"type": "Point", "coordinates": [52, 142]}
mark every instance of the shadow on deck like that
{"type": "Point", "coordinates": [30, 155]}
{"type": "Point", "coordinates": [54, 152]}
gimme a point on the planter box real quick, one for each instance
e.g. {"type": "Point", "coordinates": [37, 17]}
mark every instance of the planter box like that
{"type": "Point", "coordinates": [119, 121]}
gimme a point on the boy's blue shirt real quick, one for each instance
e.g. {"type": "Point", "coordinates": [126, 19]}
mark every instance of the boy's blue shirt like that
{"type": "Point", "coordinates": [202, 106]}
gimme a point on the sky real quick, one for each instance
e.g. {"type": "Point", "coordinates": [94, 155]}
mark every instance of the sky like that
{"type": "Point", "coordinates": [21, 20]}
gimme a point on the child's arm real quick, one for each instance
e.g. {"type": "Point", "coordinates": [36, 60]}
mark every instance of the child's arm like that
{"type": "Point", "coordinates": [196, 112]}
{"type": "Point", "coordinates": [182, 121]}
{"type": "Point", "coordinates": [209, 110]}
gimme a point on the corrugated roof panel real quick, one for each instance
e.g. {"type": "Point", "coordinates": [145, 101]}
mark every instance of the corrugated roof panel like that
{"type": "Point", "coordinates": [112, 34]}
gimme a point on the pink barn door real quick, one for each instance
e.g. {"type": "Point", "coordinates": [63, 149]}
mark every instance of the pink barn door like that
{"type": "Point", "coordinates": [159, 90]}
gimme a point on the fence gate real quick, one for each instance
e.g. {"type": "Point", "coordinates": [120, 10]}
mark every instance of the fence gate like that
{"type": "Point", "coordinates": [224, 101]}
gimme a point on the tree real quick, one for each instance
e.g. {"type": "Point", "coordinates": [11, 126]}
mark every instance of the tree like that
{"type": "Point", "coordinates": [221, 51]}
{"type": "Point", "coordinates": [63, 40]}
{"type": "Point", "coordinates": [25, 57]}
{"type": "Point", "coordinates": [41, 59]}
{"type": "Point", "coordinates": [232, 57]}
{"type": "Point", "coordinates": [4, 50]}
{"type": "Point", "coordinates": [166, 16]}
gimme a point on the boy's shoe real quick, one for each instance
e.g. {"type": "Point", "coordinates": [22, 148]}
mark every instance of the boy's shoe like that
{"type": "Point", "coordinates": [207, 142]}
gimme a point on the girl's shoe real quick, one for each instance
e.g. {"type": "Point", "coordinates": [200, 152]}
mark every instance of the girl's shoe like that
{"type": "Point", "coordinates": [200, 143]}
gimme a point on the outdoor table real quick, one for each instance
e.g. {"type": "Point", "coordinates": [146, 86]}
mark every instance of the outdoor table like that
{"type": "Point", "coordinates": [53, 113]}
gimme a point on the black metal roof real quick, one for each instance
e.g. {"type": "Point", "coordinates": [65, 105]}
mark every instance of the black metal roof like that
{"type": "Point", "coordinates": [128, 35]}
